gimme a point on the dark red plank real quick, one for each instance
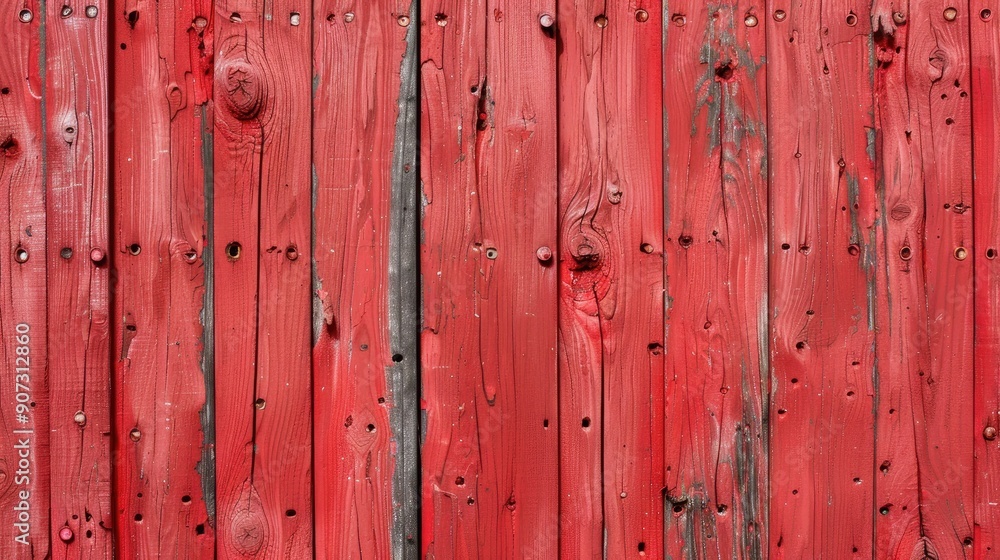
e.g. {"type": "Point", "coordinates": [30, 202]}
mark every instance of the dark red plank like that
{"type": "Point", "coordinates": [716, 228]}
{"type": "Point", "coordinates": [611, 290]}
{"type": "Point", "coordinates": [357, 56]}
{"type": "Point", "coordinates": [77, 217]}
{"type": "Point", "coordinates": [262, 303]}
{"type": "Point", "coordinates": [822, 277]}
{"type": "Point", "coordinates": [24, 458]}
{"type": "Point", "coordinates": [985, 87]}
{"type": "Point", "coordinates": [490, 476]}
{"type": "Point", "coordinates": [161, 235]}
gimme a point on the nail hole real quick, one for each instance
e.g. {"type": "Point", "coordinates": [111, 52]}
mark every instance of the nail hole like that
{"type": "Point", "coordinates": [66, 12]}
{"type": "Point", "coordinates": [884, 510]}
{"type": "Point", "coordinates": [985, 14]}
{"type": "Point", "coordinates": [291, 253]}
{"type": "Point", "coordinates": [961, 253]}
{"type": "Point", "coordinates": [348, 17]}
{"type": "Point", "coordinates": [403, 21]}
{"type": "Point", "coordinates": [235, 17]}
{"type": "Point", "coordinates": [800, 345]}
{"type": "Point", "coordinates": [949, 121]}
{"type": "Point", "coordinates": [782, 411]}
{"type": "Point", "coordinates": [899, 17]}
{"type": "Point", "coordinates": [991, 253]}
{"type": "Point", "coordinates": [290, 513]}
{"type": "Point", "coordinates": [186, 499]}
{"type": "Point", "coordinates": [370, 427]}
{"type": "Point", "coordinates": [884, 467]}
{"type": "Point", "coordinates": [441, 19]}
{"type": "Point", "coordinates": [785, 246]}
{"type": "Point", "coordinates": [138, 517]}
{"type": "Point", "coordinates": [642, 547]}
{"type": "Point", "coordinates": [260, 404]}
{"type": "Point", "coordinates": [21, 255]}
{"type": "Point", "coordinates": [233, 250]}
{"type": "Point", "coordinates": [199, 529]}
{"type": "Point", "coordinates": [601, 21]}
{"type": "Point", "coordinates": [25, 16]}
{"type": "Point", "coordinates": [794, 380]}
{"type": "Point", "coordinates": [853, 249]}
{"type": "Point", "coordinates": [804, 249]}
{"type": "Point", "coordinates": [586, 422]}
{"type": "Point", "coordinates": [780, 15]}
{"type": "Point", "coordinates": [460, 481]}
{"type": "Point", "coordinates": [134, 249]}
{"type": "Point", "coordinates": [905, 253]}
{"type": "Point", "coordinates": [852, 19]}
{"type": "Point", "coordinates": [135, 434]}
{"type": "Point", "coordinates": [91, 11]}
{"type": "Point", "coordinates": [5, 91]}
{"type": "Point", "coordinates": [190, 256]}
{"type": "Point", "coordinates": [678, 508]}
{"type": "Point", "coordinates": [724, 72]}
{"type": "Point", "coordinates": [950, 14]}
{"type": "Point", "coordinates": [545, 423]}
{"type": "Point", "coordinates": [685, 241]}
{"type": "Point", "coordinates": [491, 253]}
{"type": "Point", "coordinates": [397, 358]}
{"type": "Point", "coordinates": [66, 252]}
{"type": "Point", "coordinates": [646, 248]}
{"type": "Point", "coordinates": [678, 19]}
{"type": "Point", "coordinates": [470, 501]}
{"type": "Point", "coordinates": [294, 19]}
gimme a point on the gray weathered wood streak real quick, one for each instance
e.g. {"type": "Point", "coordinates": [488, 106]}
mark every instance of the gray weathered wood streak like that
{"type": "Point", "coordinates": [404, 306]}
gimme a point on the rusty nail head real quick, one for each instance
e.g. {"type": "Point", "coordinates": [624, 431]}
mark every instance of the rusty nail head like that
{"type": "Point", "coordinates": [135, 434]}
{"type": "Point", "coordinates": [750, 20]}
{"type": "Point", "coordinates": [990, 433]}
{"type": "Point", "coordinates": [641, 16]}
{"type": "Point", "coordinates": [96, 254]}
{"type": "Point", "coordinates": [200, 22]}
{"type": "Point", "coordinates": [899, 17]}
{"type": "Point", "coordinates": [291, 253]}
{"type": "Point", "coordinates": [678, 19]}
{"type": "Point", "coordinates": [601, 21]}
{"type": "Point", "coordinates": [546, 20]}
{"type": "Point", "coordinates": [544, 254]}
{"type": "Point", "coordinates": [950, 13]}
{"type": "Point", "coordinates": [780, 15]}
{"type": "Point", "coordinates": [66, 534]}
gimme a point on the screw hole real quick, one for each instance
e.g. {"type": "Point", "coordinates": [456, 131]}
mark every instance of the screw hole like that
{"type": "Point", "coordinates": [186, 499]}
{"type": "Point", "coordinates": [134, 249]}
{"type": "Point", "coordinates": [985, 14]}
{"type": "Point", "coordinates": [260, 404]}
{"type": "Point", "coordinates": [290, 513]}
{"type": "Point", "coordinates": [906, 253]}
{"type": "Point", "coordinates": [21, 255]}
{"type": "Point", "coordinates": [25, 16]}
{"type": "Point", "coordinates": [91, 11]}
{"type": "Point", "coordinates": [138, 517]}
{"type": "Point", "coordinates": [233, 250]}
{"type": "Point", "coordinates": [586, 422]}
{"type": "Point", "coordinates": [852, 19]}
{"type": "Point", "coordinates": [961, 253]}
{"type": "Point", "coordinates": [397, 358]}
{"type": "Point", "coordinates": [991, 253]}
{"type": "Point", "coordinates": [66, 252]}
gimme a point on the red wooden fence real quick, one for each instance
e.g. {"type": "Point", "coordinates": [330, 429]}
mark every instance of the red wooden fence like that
{"type": "Point", "coordinates": [499, 279]}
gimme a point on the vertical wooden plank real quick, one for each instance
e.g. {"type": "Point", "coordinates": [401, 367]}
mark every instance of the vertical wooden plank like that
{"type": "Point", "coordinates": [160, 234]}
{"type": "Point", "coordinates": [985, 41]}
{"type": "Point", "coordinates": [79, 286]}
{"type": "Point", "coordinates": [611, 290]}
{"type": "Point", "coordinates": [924, 455]}
{"type": "Point", "coordinates": [822, 211]}
{"type": "Point", "coordinates": [717, 350]}
{"type": "Point", "coordinates": [359, 104]}
{"type": "Point", "coordinates": [490, 483]}
{"type": "Point", "coordinates": [262, 228]}
{"type": "Point", "coordinates": [24, 458]}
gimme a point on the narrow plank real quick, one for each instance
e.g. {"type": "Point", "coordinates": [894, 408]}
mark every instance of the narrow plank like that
{"type": "Point", "coordinates": [822, 210]}
{"type": "Point", "coordinates": [985, 41]}
{"type": "Point", "coordinates": [262, 322]}
{"type": "Point", "coordinates": [79, 286]}
{"type": "Point", "coordinates": [490, 482]}
{"type": "Point", "coordinates": [160, 230]}
{"type": "Point", "coordinates": [356, 110]}
{"type": "Point", "coordinates": [611, 290]}
{"type": "Point", "coordinates": [924, 455]}
{"type": "Point", "coordinates": [716, 228]}
{"type": "Point", "coordinates": [24, 494]}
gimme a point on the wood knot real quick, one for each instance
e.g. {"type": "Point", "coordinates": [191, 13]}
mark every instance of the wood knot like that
{"type": "Point", "coordinates": [899, 212]}
{"type": "Point", "coordinates": [248, 533]}
{"type": "Point", "coordinates": [10, 147]}
{"type": "Point", "coordinates": [244, 89]}
{"type": "Point", "coordinates": [586, 257]}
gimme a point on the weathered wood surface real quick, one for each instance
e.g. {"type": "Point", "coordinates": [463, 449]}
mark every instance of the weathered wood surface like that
{"type": "Point", "coordinates": [678, 280]}
{"type": "Point", "coordinates": [363, 359]}
{"type": "Point", "coordinates": [821, 278]}
{"type": "Point", "coordinates": [263, 308]}
{"type": "Point", "coordinates": [24, 461]}
{"type": "Point", "coordinates": [716, 227]}
{"type": "Point", "coordinates": [79, 279]}
{"type": "Point", "coordinates": [160, 234]}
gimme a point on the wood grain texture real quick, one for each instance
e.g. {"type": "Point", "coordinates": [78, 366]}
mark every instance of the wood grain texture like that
{"type": "Point", "coordinates": [924, 451]}
{"type": "Point", "coordinates": [356, 109]}
{"type": "Point", "coordinates": [985, 89]}
{"type": "Point", "coordinates": [24, 458]}
{"type": "Point", "coordinates": [160, 234]}
{"type": "Point", "coordinates": [716, 226]}
{"type": "Point", "coordinates": [488, 132]}
{"type": "Point", "coordinates": [262, 279]}
{"type": "Point", "coordinates": [76, 135]}
{"type": "Point", "coordinates": [611, 285]}
{"type": "Point", "coordinates": [822, 278]}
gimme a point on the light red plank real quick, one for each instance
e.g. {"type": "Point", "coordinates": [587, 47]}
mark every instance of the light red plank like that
{"type": "Point", "coordinates": [24, 494]}
{"type": "Point", "coordinates": [716, 226]}
{"type": "Point", "coordinates": [611, 290]}
{"type": "Point", "coordinates": [985, 86]}
{"type": "Point", "coordinates": [161, 235]}
{"type": "Point", "coordinates": [262, 304]}
{"type": "Point", "coordinates": [924, 455]}
{"type": "Point", "coordinates": [822, 279]}
{"type": "Point", "coordinates": [490, 475]}
{"type": "Point", "coordinates": [357, 56]}
{"type": "Point", "coordinates": [77, 217]}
